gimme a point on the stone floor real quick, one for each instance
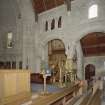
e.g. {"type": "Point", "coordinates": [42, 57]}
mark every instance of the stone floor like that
{"type": "Point", "coordinates": [39, 88]}
{"type": "Point", "coordinates": [103, 103]}
{"type": "Point", "coordinates": [103, 100]}
{"type": "Point", "coordinates": [103, 94]}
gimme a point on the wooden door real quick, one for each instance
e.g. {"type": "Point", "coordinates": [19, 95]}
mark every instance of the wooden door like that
{"type": "Point", "coordinates": [89, 71]}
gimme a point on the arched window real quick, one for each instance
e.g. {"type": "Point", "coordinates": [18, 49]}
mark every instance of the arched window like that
{"type": "Point", "coordinates": [9, 40]}
{"type": "Point", "coordinates": [59, 22]}
{"type": "Point", "coordinates": [93, 11]}
{"type": "Point", "coordinates": [46, 26]}
{"type": "Point", "coordinates": [53, 24]}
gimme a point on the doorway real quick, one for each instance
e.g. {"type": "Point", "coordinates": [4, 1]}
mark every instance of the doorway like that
{"type": "Point", "coordinates": [56, 56]}
{"type": "Point", "coordinates": [89, 72]}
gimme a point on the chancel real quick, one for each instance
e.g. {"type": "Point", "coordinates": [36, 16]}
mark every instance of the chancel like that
{"type": "Point", "coordinates": [52, 52]}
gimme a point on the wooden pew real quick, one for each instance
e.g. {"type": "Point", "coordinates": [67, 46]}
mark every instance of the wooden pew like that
{"type": "Point", "coordinates": [96, 98]}
{"type": "Point", "coordinates": [57, 98]}
{"type": "Point", "coordinates": [92, 99]}
{"type": "Point", "coordinates": [85, 100]}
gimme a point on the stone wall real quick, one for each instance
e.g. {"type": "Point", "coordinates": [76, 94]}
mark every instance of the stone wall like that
{"type": "Point", "coordinates": [74, 25]}
{"type": "Point", "coordinates": [10, 22]}
{"type": "Point", "coordinates": [31, 38]}
{"type": "Point", "coordinates": [97, 61]}
{"type": "Point", "coordinates": [29, 34]}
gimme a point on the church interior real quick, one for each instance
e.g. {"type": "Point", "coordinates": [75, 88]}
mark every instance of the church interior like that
{"type": "Point", "coordinates": [52, 52]}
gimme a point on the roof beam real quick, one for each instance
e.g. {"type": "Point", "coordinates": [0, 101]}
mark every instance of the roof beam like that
{"type": "Point", "coordinates": [55, 2]}
{"type": "Point", "coordinates": [94, 46]}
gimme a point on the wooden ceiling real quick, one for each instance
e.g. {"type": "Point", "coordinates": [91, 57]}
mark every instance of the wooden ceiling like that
{"type": "Point", "coordinates": [93, 44]}
{"type": "Point", "coordinates": [44, 5]}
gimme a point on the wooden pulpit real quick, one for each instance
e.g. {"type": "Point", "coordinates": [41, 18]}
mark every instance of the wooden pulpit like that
{"type": "Point", "coordinates": [14, 85]}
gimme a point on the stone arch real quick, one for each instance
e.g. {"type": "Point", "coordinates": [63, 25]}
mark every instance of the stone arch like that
{"type": "Point", "coordinates": [47, 39]}
{"type": "Point", "coordinates": [57, 46]}
{"type": "Point", "coordinates": [45, 42]}
{"type": "Point", "coordinates": [83, 33]}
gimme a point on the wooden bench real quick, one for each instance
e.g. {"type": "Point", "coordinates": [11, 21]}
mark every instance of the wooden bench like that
{"type": "Point", "coordinates": [96, 98]}
{"type": "Point", "coordinates": [85, 100]}
{"type": "Point", "coordinates": [57, 98]}
{"type": "Point", "coordinates": [92, 99]}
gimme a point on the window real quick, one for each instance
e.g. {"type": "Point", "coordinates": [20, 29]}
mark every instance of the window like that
{"type": "Point", "coordinates": [53, 24]}
{"type": "Point", "coordinates": [93, 11]}
{"type": "Point", "coordinates": [9, 40]}
{"type": "Point", "coordinates": [59, 22]}
{"type": "Point", "coordinates": [46, 26]}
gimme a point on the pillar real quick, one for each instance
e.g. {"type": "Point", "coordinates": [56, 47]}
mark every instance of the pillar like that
{"type": "Point", "coordinates": [70, 52]}
{"type": "Point", "coordinates": [79, 61]}
{"type": "Point", "coordinates": [29, 32]}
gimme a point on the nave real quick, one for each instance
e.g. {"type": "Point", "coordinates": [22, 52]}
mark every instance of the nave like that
{"type": "Point", "coordinates": [52, 52]}
{"type": "Point", "coordinates": [74, 93]}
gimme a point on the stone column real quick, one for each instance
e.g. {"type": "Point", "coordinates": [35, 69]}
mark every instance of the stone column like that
{"type": "Point", "coordinates": [38, 57]}
{"type": "Point", "coordinates": [46, 52]}
{"type": "Point", "coordinates": [70, 52]}
{"type": "Point", "coordinates": [29, 32]}
{"type": "Point", "coordinates": [79, 61]}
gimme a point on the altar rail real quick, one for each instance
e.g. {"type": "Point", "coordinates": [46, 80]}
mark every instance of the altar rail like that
{"type": "Point", "coordinates": [38, 78]}
{"type": "Point", "coordinates": [59, 98]}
